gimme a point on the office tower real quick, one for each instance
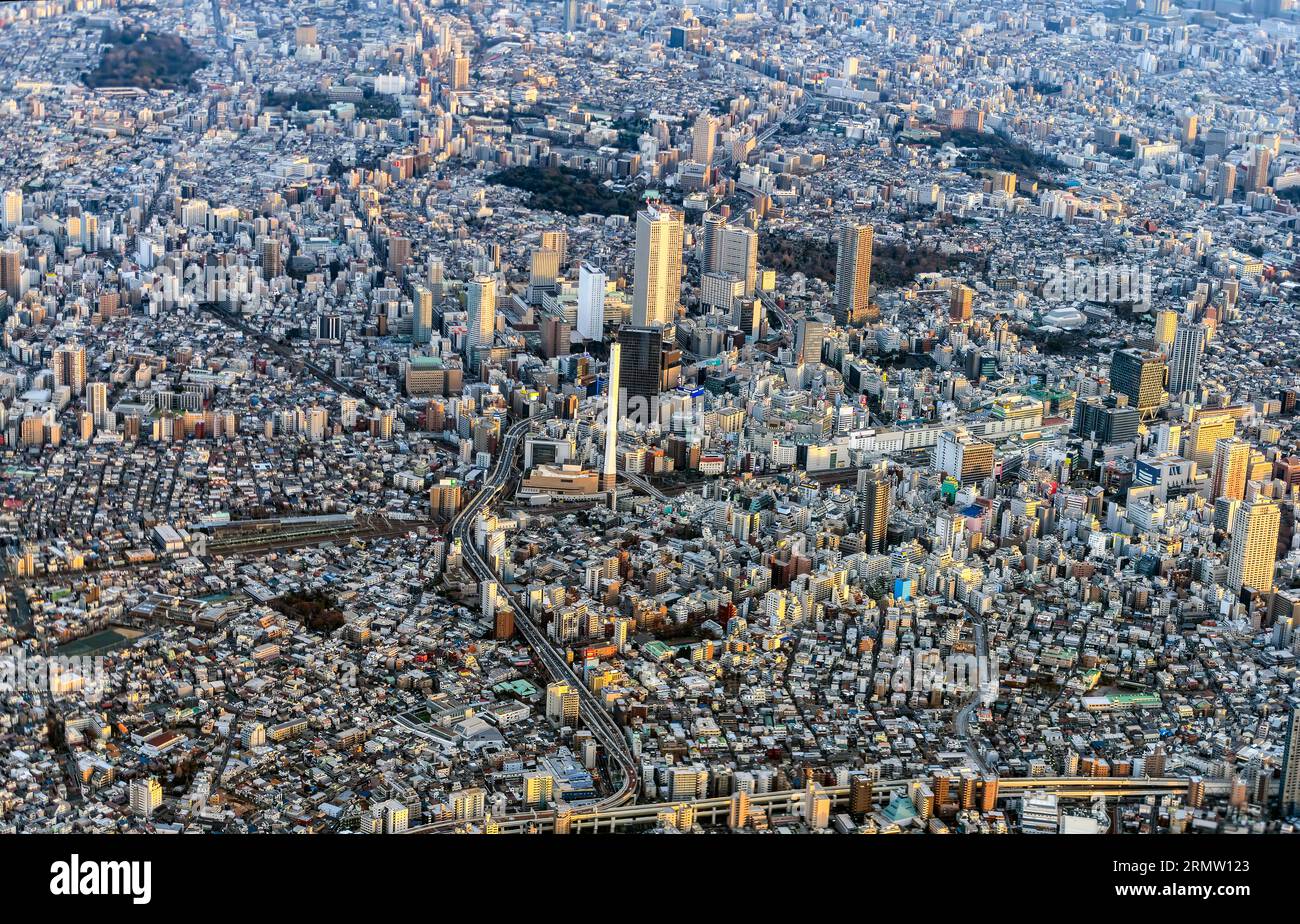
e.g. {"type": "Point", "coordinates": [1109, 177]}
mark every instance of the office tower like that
{"type": "Point", "coordinates": [69, 366]}
{"type": "Point", "coordinates": [570, 15]}
{"type": "Point", "coordinates": [1253, 556]}
{"type": "Point", "coordinates": [1228, 477]}
{"type": "Point", "coordinates": [738, 255]}
{"type": "Point", "coordinates": [11, 269]}
{"type": "Point", "coordinates": [459, 77]}
{"type": "Point", "coordinates": [874, 495]}
{"type": "Point", "coordinates": [609, 471]}
{"type": "Point", "coordinates": [422, 316]}
{"type": "Point", "coordinates": [97, 401]}
{"type": "Point", "coordinates": [559, 242]}
{"type": "Point", "coordinates": [751, 317]}
{"type": "Point", "coordinates": [1227, 181]}
{"type": "Point", "coordinates": [434, 274]}
{"type": "Point", "coordinates": [555, 337]}
{"type": "Point", "coordinates": [1289, 795]}
{"type": "Point", "coordinates": [543, 271]}
{"type": "Point", "coordinates": [330, 327]}
{"type": "Point", "coordinates": [1139, 375]}
{"type": "Point", "coordinates": [702, 138]}
{"type": "Point", "coordinates": [13, 209]}
{"type": "Point", "coordinates": [853, 274]}
{"type": "Point", "coordinates": [481, 303]}
{"type": "Point", "coordinates": [1203, 437]}
{"type": "Point", "coordinates": [641, 369]}
{"type": "Point", "coordinates": [1166, 329]}
{"type": "Point", "coordinates": [963, 456]}
{"type": "Point", "coordinates": [809, 336]}
{"type": "Point", "coordinates": [1225, 513]}
{"type": "Point", "coordinates": [304, 35]}
{"type": "Point", "coordinates": [711, 242]}
{"type": "Point", "coordinates": [146, 796]}
{"type": "Point", "coordinates": [961, 303]}
{"type": "Point", "coordinates": [268, 251]}
{"type": "Point", "coordinates": [720, 291]}
{"type": "Point", "coordinates": [399, 253]}
{"type": "Point", "coordinates": [658, 268]}
{"type": "Point", "coordinates": [591, 302]}
{"type": "Point", "coordinates": [1185, 358]}
{"type": "Point", "coordinates": [1259, 170]}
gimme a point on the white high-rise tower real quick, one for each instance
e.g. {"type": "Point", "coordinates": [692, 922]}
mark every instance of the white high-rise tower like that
{"type": "Point", "coordinates": [591, 302]}
{"type": "Point", "coordinates": [609, 474]}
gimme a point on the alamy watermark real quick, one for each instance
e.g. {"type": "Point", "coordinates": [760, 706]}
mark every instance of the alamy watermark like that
{"type": "Point", "coordinates": [956, 673]}
{"type": "Point", "coordinates": [55, 675]}
{"type": "Point", "coordinates": [640, 411]}
{"type": "Point", "coordinates": [196, 283]}
{"type": "Point", "coordinates": [1111, 283]}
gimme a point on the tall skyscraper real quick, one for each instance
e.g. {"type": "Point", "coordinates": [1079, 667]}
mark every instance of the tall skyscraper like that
{"type": "Point", "coordinates": [97, 401]}
{"type": "Point", "coordinates": [559, 242]}
{"type": "Point", "coordinates": [703, 134]}
{"type": "Point", "coordinates": [1185, 358]}
{"type": "Point", "coordinates": [543, 271]}
{"type": "Point", "coordinates": [641, 369]}
{"type": "Point", "coordinates": [961, 303]}
{"type": "Point", "coordinates": [711, 242]}
{"type": "Point", "coordinates": [268, 249]}
{"type": "Point", "coordinates": [1166, 329]}
{"type": "Point", "coordinates": [739, 254]}
{"type": "Point", "coordinates": [399, 253]}
{"type": "Point", "coordinates": [874, 495]}
{"type": "Point", "coordinates": [1253, 557]}
{"type": "Point", "coordinates": [657, 286]}
{"type": "Point", "coordinates": [11, 269]}
{"type": "Point", "coordinates": [609, 471]}
{"type": "Point", "coordinates": [591, 302]}
{"type": "Point", "coordinates": [853, 273]}
{"type": "Point", "coordinates": [1289, 795]}
{"type": "Point", "coordinates": [964, 456]}
{"type": "Point", "coordinates": [1139, 374]}
{"type": "Point", "coordinates": [69, 365]}
{"type": "Point", "coordinates": [481, 302]}
{"type": "Point", "coordinates": [13, 209]}
{"type": "Point", "coordinates": [422, 316]}
{"type": "Point", "coordinates": [1259, 170]}
{"type": "Point", "coordinates": [459, 76]}
{"type": "Point", "coordinates": [809, 336]}
{"type": "Point", "coordinates": [1227, 181]}
{"type": "Point", "coordinates": [1231, 461]}
{"type": "Point", "coordinates": [1203, 437]}
{"type": "Point", "coordinates": [750, 317]}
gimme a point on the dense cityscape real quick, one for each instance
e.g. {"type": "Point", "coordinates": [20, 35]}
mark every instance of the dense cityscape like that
{"type": "Point", "coordinates": [576, 416]}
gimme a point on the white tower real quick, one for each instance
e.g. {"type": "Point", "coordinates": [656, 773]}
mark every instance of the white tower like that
{"type": "Point", "coordinates": [609, 474]}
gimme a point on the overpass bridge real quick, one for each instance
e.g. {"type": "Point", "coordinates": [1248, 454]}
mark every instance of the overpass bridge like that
{"type": "Point", "coordinates": [723, 810]}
